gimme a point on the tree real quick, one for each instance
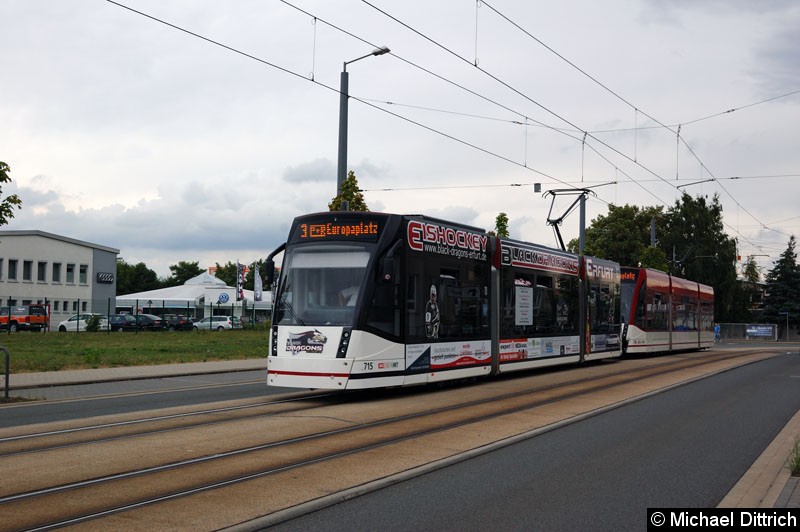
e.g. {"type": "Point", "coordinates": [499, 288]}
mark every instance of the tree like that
{"type": "Point", "coordinates": [501, 225]}
{"type": "Point", "coordinates": [747, 294]}
{"type": "Point", "coordinates": [182, 272]}
{"type": "Point", "coordinates": [8, 204]}
{"type": "Point", "coordinates": [351, 194]}
{"type": "Point", "coordinates": [751, 271]}
{"type": "Point", "coordinates": [132, 279]}
{"type": "Point", "coordinates": [227, 273]}
{"type": "Point", "coordinates": [783, 289]}
{"type": "Point", "coordinates": [622, 235]}
{"type": "Point", "coordinates": [700, 250]}
{"type": "Point", "coordinates": [653, 257]}
{"type": "Point", "coordinates": [250, 277]}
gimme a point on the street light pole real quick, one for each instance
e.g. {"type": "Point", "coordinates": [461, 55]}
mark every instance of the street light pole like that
{"type": "Point", "coordinates": [341, 171]}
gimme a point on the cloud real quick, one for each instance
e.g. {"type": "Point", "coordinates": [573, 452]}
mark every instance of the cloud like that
{"type": "Point", "coordinates": [313, 171]}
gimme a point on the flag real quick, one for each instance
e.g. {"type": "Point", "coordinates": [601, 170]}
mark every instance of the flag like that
{"type": "Point", "coordinates": [239, 282]}
{"type": "Point", "coordinates": [257, 288]}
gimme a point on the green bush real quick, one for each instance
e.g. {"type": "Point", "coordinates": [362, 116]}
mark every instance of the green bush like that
{"type": "Point", "coordinates": [794, 458]}
{"type": "Point", "coordinates": [93, 323]}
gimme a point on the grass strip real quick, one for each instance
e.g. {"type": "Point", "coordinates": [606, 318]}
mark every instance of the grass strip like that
{"type": "Point", "coordinates": [54, 351]}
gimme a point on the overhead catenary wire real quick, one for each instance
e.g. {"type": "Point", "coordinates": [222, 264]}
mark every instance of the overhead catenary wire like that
{"type": "Point", "coordinates": [300, 76]}
{"type": "Point", "coordinates": [452, 137]}
{"type": "Point", "coordinates": [516, 91]}
{"type": "Point", "coordinates": [638, 109]}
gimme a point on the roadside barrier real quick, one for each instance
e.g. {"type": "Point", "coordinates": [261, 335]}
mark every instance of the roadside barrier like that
{"type": "Point", "coordinates": [8, 369]}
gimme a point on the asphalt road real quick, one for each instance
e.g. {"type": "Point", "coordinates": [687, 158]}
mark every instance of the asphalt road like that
{"type": "Point", "coordinates": [60, 403]}
{"type": "Point", "coordinates": [684, 448]}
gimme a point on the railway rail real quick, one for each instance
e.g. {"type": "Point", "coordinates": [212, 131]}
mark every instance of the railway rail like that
{"type": "Point", "coordinates": [217, 467]}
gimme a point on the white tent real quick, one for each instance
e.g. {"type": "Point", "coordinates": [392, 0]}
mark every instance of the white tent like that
{"type": "Point", "coordinates": [205, 290]}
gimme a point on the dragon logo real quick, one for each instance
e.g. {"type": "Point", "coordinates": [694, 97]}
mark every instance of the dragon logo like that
{"type": "Point", "coordinates": [306, 341]}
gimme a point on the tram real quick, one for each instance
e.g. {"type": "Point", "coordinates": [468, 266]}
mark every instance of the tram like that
{"type": "Point", "coordinates": [368, 300]}
{"type": "Point", "coordinates": [665, 313]}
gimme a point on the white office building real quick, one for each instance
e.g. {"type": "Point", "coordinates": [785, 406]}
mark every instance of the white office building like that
{"type": "Point", "coordinates": [69, 275]}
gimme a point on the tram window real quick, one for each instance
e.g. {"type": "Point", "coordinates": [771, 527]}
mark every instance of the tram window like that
{"type": "Point", "coordinates": [446, 300]}
{"type": "Point", "coordinates": [601, 311]}
{"type": "Point", "coordinates": [641, 306]}
{"type": "Point", "coordinates": [657, 311]}
{"type": "Point", "coordinates": [681, 320]}
{"type": "Point", "coordinates": [706, 316]}
{"type": "Point", "coordinates": [557, 305]}
{"type": "Point", "coordinates": [626, 298]}
{"type": "Point", "coordinates": [519, 305]}
{"type": "Point", "coordinates": [329, 277]}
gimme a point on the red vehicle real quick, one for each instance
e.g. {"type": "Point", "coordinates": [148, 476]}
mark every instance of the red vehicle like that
{"type": "Point", "coordinates": [665, 313]}
{"type": "Point", "coordinates": [25, 318]}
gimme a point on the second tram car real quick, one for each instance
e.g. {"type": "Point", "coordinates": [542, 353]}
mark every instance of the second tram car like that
{"type": "Point", "coordinates": [665, 313]}
{"type": "Point", "coordinates": [368, 300]}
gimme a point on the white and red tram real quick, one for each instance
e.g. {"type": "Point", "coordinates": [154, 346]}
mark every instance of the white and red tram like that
{"type": "Point", "coordinates": [665, 313]}
{"type": "Point", "coordinates": [368, 300]}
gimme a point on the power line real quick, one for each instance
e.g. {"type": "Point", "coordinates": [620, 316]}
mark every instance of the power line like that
{"type": "Point", "coordinates": [304, 78]}
{"type": "Point", "coordinates": [636, 108]}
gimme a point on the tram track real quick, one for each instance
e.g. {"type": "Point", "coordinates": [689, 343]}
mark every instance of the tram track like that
{"type": "Point", "coordinates": [29, 442]}
{"type": "Point", "coordinates": [328, 434]}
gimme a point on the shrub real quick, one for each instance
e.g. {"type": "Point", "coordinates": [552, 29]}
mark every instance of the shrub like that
{"type": "Point", "coordinates": [794, 458]}
{"type": "Point", "coordinates": [93, 323]}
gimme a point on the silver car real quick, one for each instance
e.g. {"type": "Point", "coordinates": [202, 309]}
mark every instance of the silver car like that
{"type": "Point", "coordinates": [217, 323]}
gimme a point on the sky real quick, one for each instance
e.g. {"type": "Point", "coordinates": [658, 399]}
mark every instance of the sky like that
{"type": "Point", "coordinates": [197, 130]}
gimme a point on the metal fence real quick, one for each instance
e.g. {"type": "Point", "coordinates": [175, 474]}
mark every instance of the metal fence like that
{"type": "Point", "coordinates": [62, 309]}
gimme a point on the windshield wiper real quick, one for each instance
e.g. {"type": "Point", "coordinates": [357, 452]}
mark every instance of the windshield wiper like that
{"type": "Point", "coordinates": [295, 315]}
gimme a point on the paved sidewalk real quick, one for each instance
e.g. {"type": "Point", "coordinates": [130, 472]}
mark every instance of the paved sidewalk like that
{"type": "Point", "coordinates": [90, 376]}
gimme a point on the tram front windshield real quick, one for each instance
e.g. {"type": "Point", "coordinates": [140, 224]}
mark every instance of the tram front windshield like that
{"type": "Point", "coordinates": [321, 284]}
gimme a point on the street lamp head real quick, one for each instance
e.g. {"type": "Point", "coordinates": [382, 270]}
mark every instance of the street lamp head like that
{"type": "Point", "coordinates": [380, 51]}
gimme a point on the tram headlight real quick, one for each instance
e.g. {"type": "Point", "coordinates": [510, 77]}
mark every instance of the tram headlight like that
{"type": "Point", "coordinates": [344, 341]}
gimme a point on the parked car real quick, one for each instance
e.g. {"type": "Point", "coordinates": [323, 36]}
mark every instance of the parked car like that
{"type": "Point", "coordinates": [78, 322]}
{"type": "Point", "coordinates": [176, 322]}
{"type": "Point", "coordinates": [217, 323]}
{"type": "Point", "coordinates": [136, 322]}
{"type": "Point", "coordinates": [24, 318]}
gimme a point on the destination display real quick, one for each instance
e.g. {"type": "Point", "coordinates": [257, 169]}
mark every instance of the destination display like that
{"type": "Point", "coordinates": [337, 229]}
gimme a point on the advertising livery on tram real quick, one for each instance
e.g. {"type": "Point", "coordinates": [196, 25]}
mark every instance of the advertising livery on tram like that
{"type": "Point", "coordinates": [367, 300]}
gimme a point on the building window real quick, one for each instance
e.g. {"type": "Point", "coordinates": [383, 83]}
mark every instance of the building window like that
{"type": "Point", "coordinates": [1, 269]}
{"type": "Point", "coordinates": [83, 306]}
{"type": "Point", "coordinates": [56, 272]}
{"type": "Point", "coordinates": [84, 274]}
{"type": "Point", "coordinates": [27, 270]}
{"type": "Point", "coordinates": [74, 306]}
{"type": "Point", "coordinates": [12, 270]}
{"type": "Point", "coordinates": [71, 274]}
{"type": "Point", "coordinates": [64, 306]}
{"type": "Point", "coordinates": [41, 272]}
{"type": "Point", "coordinates": [55, 306]}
